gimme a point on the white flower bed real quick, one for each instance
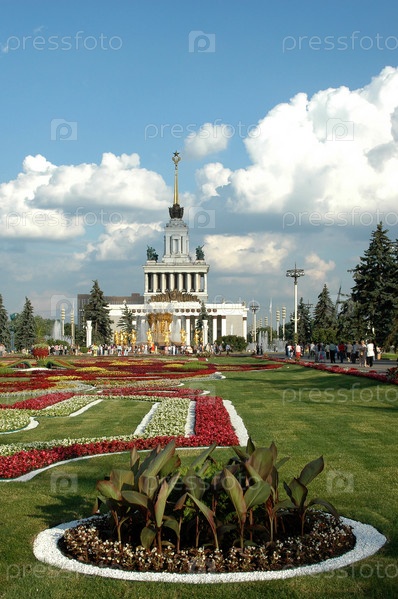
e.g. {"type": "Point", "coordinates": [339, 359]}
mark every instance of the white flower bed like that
{"type": "Point", "coordinates": [170, 418]}
{"type": "Point", "coordinates": [66, 407]}
{"type": "Point", "coordinates": [13, 420]}
{"type": "Point", "coordinates": [45, 549]}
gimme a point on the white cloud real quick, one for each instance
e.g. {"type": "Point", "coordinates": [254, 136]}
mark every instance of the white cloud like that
{"type": "Point", "coordinates": [210, 138]}
{"type": "Point", "coordinates": [332, 152]}
{"type": "Point", "coordinates": [317, 268]}
{"type": "Point", "coordinates": [211, 177]}
{"type": "Point", "coordinates": [117, 243]}
{"type": "Point", "coordinates": [61, 202]}
{"type": "Point", "coordinates": [255, 253]}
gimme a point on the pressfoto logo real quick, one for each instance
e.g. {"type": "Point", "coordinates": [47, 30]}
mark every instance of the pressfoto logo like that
{"type": "Point", "coordinates": [199, 41]}
{"type": "Point", "coordinates": [200, 218]}
{"type": "Point", "coordinates": [62, 130]}
{"type": "Point", "coordinates": [61, 302]}
{"type": "Point", "coordinates": [63, 483]}
{"type": "Point", "coordinates": [338, 481]}
{"type": "Point", "coordinates": [339, 130]}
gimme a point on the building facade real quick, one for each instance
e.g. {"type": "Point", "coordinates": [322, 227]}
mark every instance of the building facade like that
{"type": "Point", "coordinates": [176, 293]}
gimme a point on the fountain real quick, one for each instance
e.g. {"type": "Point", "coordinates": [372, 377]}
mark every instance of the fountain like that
{"type": "Point", "coordinates": [56, 332]}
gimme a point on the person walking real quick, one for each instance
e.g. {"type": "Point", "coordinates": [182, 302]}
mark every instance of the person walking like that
{"type": "Point", "coordinates": [370, 353]}
{"type": "Point", "coordinates": [362, 353]}
{"type": "Point", "coordinates": [332, 350]}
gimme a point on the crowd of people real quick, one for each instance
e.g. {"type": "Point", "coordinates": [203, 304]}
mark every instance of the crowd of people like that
{"type": "Point", "coordinates": [364, 352]}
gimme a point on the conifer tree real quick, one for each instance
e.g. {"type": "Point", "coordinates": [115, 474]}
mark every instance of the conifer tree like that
{"type": "Point", "coordinates": [304, 325]}
{"type": "Point", "coordinates": [25, 327]}
{"type": "Point", "coordinates": [324, 318]}
{"type": "Point", "coordinates": [126, 321]}
{"type": "Point", "coordinates": [4, 329]}
{"type": "Point", "coordinates": [375, 288]}
{"type": "Point", "coordinates": [97, 311]}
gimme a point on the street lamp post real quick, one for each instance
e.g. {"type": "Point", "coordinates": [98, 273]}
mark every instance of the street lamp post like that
{"type": "Point", "coordinates": [254, 307]}
{"type": "Point", "coordinates": [283, 322]}
{"type": "Point", "coordinates": [278, 318]}
{"type": "Point", "coordinates": [295, 273]}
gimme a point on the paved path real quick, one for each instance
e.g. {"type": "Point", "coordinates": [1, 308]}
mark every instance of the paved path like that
{"type": "Point", "coordinates": [378, 365]}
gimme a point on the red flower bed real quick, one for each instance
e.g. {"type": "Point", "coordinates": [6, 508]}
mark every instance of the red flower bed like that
{"type": "Point", "coordinates": [38, 403]}
{"type": "Point", "coordinates": [213, 425]}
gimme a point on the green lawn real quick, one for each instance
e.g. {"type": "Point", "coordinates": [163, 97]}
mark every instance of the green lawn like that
{"type": "Point", "coordinates": [351, 421]}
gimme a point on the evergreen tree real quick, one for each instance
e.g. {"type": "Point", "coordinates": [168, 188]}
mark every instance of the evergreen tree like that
{"type": "Point", "coordinates": [97, 311]}
{"type": "Point", "coordinates": [374, 292]}
{"type": "Point", "coordinates": [202, 316]}
{"type": "Point", "coordinates": [4, 328]}
{"type": "Point", "coordinates": [325, 329]}
{"type": "Point", "coordinates": [126, 321]}
{"type": "Point", "coordinates": [25, 327]}
{"type": "Point", "coordinates": [304, 325]}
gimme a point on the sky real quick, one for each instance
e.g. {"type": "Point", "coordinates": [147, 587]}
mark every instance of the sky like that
{"type": "Point", "coordinates": [285, 114]}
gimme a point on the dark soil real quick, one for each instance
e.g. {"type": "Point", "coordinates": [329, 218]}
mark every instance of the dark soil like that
{"type": "Point", "coordinates": [324, 538]}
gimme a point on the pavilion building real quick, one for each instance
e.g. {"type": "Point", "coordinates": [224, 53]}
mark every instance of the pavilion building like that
{"type": "Point", "coordinates": [176, 293]}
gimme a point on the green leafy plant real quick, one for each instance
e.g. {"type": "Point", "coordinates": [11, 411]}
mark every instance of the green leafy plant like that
{"type": "Point", "coordinates": [297, 492]}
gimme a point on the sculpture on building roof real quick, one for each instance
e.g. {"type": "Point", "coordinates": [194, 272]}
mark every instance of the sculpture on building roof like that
{"type": "Point", "coordinates": [151, 253]}
{"type": "Point", "coordinates": [200, 255]}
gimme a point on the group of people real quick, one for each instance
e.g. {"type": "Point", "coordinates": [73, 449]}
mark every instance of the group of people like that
{"type": "Point", "coordinates": [364, 352]}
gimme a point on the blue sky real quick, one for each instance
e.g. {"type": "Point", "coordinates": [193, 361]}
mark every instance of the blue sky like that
{"type": "Point", "coordinates": [284, 114]}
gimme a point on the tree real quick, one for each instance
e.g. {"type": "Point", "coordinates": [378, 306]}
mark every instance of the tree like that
{"type": "Point", "coordinates": [324, 318]}
{"type": "Point", "coordinates": [237, 343]}
{"type": "Point", "coordinates": [304, 325]}
{"type": "Point", "coordinates": [374, 291]}
{"type": "Point", "coordinates": [4, 328]}
{"type": "Point", "coordinates": [44, 327]}
{"type": "Point", "coordinates": [126, 321]}
{"type": "Point", "coordinates": [97, 311]}
{"type": "Point", "coordinates": [201, 318]}
{"type": "Point", "coordinates": [25, 327]}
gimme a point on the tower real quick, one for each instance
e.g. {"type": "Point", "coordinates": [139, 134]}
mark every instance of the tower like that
{"type": "Point", "coordinates": [177, 274]}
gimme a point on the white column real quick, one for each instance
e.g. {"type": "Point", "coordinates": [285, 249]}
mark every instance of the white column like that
{"type": "Point", "coordinates": [163, 282]}
{"type": "Point", "coordinates": [146, 282]}
{"type": "Point", "coordinates": [223, 326]}
{"type": "Point", "coordinates": [180, 281]}
{"type": "Point", "coordinates": [205, 332]}
{"type": "Point", "coordinates": [89, 332]}
{"type": "Point", "coordinates": [245, 328]}
{"type": "Point", "coordinates": [155, 282]}
{"type": "Point", "coordinates": [214, 328]}
{"type": "Point", "coordinates": [188, 329]}
{"type": "Point", "coordinates": [205, 282]}
{"type": "Point", "coordinates": [197, 281]}
{"type": "Point", "coordinates": [172, 281]}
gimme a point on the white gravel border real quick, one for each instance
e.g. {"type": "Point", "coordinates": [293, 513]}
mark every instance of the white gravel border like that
{"type": "Point", "coordinates": [45, 549]}
{"type": "Point", "coordinates": [32, 424]}
{"type": "Point", "coordinates": [237, 423]}
{"type": "Point", "coordinates": [85, 408]}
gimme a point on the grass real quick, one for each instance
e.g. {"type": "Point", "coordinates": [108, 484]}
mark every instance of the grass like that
{"type": "Point", "coordinates": [351, 421]}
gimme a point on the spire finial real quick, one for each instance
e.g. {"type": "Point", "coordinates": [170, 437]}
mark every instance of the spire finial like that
{"type": "Point", "coordinates": [176, 159]}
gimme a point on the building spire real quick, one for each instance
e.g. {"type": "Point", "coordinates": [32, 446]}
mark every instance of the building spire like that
{"type": "Point", "coordinates": [176, 159]}
{"type": "Point", "coordinates": [176, 211]}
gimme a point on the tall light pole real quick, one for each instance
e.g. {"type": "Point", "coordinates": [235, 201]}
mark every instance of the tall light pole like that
{"type": "Point", "coordinates": [283, 322]}
{"type": "Point", "coordinates": [295, 273]}
{"type": "Point", "coordinates": [254, 307]}
{"type": "Point", "coordinates": [278, 319]}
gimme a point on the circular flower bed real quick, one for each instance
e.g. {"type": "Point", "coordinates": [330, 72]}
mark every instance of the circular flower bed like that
{"type": "Point", "coordinates": [326, 538]}
{"type": "Point", "coordinates": [47, 549]}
